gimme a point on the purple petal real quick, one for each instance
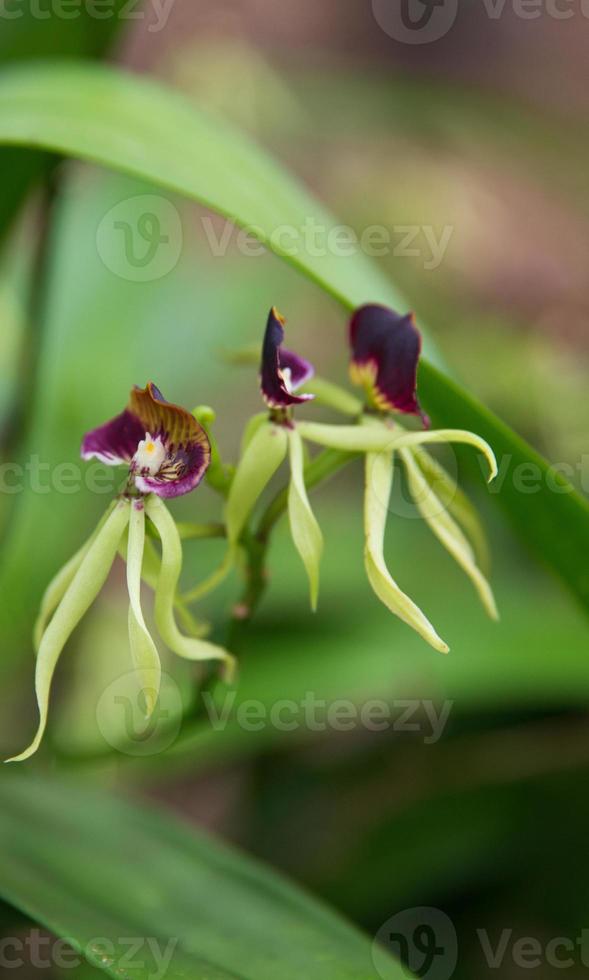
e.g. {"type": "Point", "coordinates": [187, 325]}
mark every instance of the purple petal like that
{"type": "Point", "coordinates": [301, 370]}
{"type": "Point", "coordinates": [114, 442]}
{"type": "Point", "coordinates": [189, 450]}
{"type": "Point", "coordinates": [184, 439]}
{"type": "Point", "coordinates": [180, 474]}
{"type": "Point", "coordinates": [277, 387]}
{"type": "Point", "coordinates": [385, 355]}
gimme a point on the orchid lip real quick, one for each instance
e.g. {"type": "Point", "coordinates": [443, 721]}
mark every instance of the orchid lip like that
{"type": "Point", "coordinates": [386, 347]}
{"type": "Point", "coordinates": [282, 372]}
{"type": "Point", "coordinates": [149, 455]}
{"type": "Point", "coordinates": [166, 449]}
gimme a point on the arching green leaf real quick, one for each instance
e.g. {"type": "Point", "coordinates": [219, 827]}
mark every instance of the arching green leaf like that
{"type": "Point", "coordinates": [137, 126]}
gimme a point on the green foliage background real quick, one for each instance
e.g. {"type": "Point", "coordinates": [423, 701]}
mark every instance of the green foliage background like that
{"type": "Point", "coordinates": [487, 823]}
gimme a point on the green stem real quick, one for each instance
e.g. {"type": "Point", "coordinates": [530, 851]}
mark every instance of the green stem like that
{"type": "Point", "coordinates": [324, 465]}
{"type": "Point", "coordinates": [256, 579]}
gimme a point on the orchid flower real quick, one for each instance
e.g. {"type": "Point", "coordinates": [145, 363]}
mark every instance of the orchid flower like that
{"type": "Point", "coordinates": [385, 354]}
{"type": "Point", "coordinates": [267, 441]}
{"type": "Point", "coordinates": [167, 453]}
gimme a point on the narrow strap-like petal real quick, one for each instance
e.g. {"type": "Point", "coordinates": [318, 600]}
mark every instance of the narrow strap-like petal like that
{"type": "Point", "coordinates": [456, 503]}
{"type": "Point", "coordinates": [379, 478]}
{"type": "Point", "coordinates": [350, 438]}
{"type": "Point", "coordinates": [60, 583]}
{"type": "Point", "coordinates": [188, 647]}
{"type": "Point", "coordinates": [150, 574]}
{"type": "Point", "coordinates": [252, 425]}
{"type": "Point", "coordinates": [143, 649]}
{"type": "Point", "coordinates": [304, 528]}
{"type": "Point", "coordinates": [151, 571]}
{"type": "Point", "coordinates": [86, 584]}
{"type": "Point", "coordinates": [446, 530]}
{"type": "Point", "coordinates": [264, 454]}
{"type": "Point", "coordinates": [449, 436]}
{"type": "Point", "coordinates": [376, 436]}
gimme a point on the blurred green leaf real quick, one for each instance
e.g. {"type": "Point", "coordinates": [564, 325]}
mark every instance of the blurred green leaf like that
{"type": "Point", "coordinates": [87, 865]}
{"type": "Point", "coordinates": [37, 32]}
{"type": "Point", "coordinates": [141, 128]}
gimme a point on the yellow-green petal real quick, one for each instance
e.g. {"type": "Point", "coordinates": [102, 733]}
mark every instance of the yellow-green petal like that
{"type": "Point", "coordinates": [457, 504]}
{"type": "Point", "coordinates": [350, 438]}
{"type": "Point", "coordinates": [304, 528]}
{"type": "Point", "coordinates": [446, 530]}
{"type": "Point", "coordinates": [82, 591]}
{"type": "Point", "coordinates": [188, 647]}
{"type": "Point", "coordinates": [59, 585]}
{"type": "Point", "coordinates": [376, 435]}
{"type": "Point", "coordinates": [150, 574]}
{"type": "Point", "coordinates": [143, 649]}
{"type": "Point", "coordinates": [257, 466]}
{"type": "Point", "coordinates": [409, 439]}
{"type": "Point", "coordinates": [251, 427]}
{"type": "Point", "coordinates": [151, 570]}
{"type": "Point", "coordinates": [379, 478]}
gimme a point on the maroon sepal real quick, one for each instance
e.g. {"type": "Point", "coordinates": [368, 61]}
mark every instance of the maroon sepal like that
{"type": "Point", "coordinates": [385, 354]}
{"type": "Point", "coordinates": [281, 371]}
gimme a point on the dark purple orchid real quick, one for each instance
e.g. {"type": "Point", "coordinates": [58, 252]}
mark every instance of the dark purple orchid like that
{"type": "Point", "coordinates": [281, 371]}
{"type": "Point", "coordinates": [385, 353]}
{"type": "Point", "coordinates": [167, 450]}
